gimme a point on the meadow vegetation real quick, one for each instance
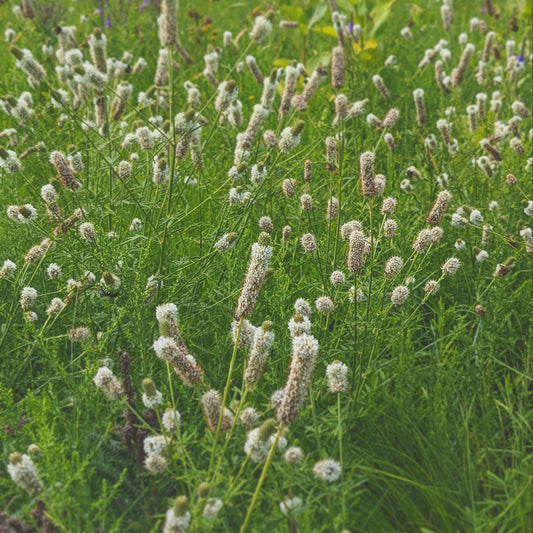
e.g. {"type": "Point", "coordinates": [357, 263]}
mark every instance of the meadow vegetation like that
{"type": "Point", "coordinates": [266, 267]}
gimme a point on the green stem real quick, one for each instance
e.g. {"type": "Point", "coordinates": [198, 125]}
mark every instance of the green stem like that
{"type": "Point", "coordinates": [261, 480]}
{"type": "Point", "coordinates": [339, 430]}
{"type": "Point", "coordinates": [226, 390]}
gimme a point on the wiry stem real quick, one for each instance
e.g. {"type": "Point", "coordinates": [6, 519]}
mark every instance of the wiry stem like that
{"type": "Point", "coordinates": [261, 480]}
{"type": "Point", "coordinates": [226, 390]}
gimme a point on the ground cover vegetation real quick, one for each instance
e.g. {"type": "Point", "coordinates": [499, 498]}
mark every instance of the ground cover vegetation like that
{"type": "Point", "coordinates": [265, 267]}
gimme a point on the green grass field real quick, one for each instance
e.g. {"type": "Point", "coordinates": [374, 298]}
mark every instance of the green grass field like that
{"type": "Point", "coordinates": [371, 158]}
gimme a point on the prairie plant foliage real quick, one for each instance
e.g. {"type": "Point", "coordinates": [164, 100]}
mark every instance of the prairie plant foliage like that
{"type": "Point", "coordinates": [276, 279]}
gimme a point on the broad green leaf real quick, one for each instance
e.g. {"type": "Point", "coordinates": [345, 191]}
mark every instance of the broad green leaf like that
{"type": "Point", "coordinates": [317, 15]}
{"type": "Point", "coordinates": [380, 14]}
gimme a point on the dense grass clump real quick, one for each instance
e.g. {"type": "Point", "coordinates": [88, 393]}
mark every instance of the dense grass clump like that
{"type": "Point", "coordinates": [266, 268]}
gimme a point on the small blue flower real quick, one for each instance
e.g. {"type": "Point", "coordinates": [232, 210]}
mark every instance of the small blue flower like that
{"type": "Point", "coordinates": [521, 59]}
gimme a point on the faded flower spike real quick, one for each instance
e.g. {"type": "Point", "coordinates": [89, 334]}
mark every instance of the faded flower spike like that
{"type": "Point", "coordinates": [226, 242]}
{"type": "Point", "coordinates": [309, 243]}
{"type": "Point", "coordinates": [399, 295]}
{"type": "Point", "coordinates": [106, 380]}
{"type": "Point", "coordinates": [437, 211]}
{"type": "Point", "coordinates": [366, 164]}
{"type": "Point", "coordinates": [421, 114]}
{"type": "Point", "coordinates": [258, 269]}
{"type": "Point", "coordinates": [380, 86]}
{"type": "Point", "coordinates": [336, 373]}
{"type": "Point", "coordinates": [23, 473]}
{"type": "Point", "coordinates": [304, 352]}
{"type": "Point", "coordinates": [451, 266]}
{"type": "Point", "coordinates": [262, 343]}
{"type": "Point", "coordinates": [262, 28]}
{"type": "Point", "coordinates": [355, 257]}
{"type": "Point", "coordinates": [325, 305]}
{"type": "Point", "coordinates": [211, 406]}
{"type": "Point", "coordinates": [64, 172]}
{"type": "Point", "coordinates": [327, 470]}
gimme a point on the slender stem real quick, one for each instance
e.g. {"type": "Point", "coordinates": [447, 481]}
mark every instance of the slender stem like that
{"type": "Point", "coordinates": [230, 432]}
{"type": "Point", "coordinates": [339, 431]}
{"type": "Point", "coordinates": [226, 389]}
{"type": "Point", "coordinates": [315, 421]}
{"type": "Point", "coordinates": [261, 480]}
{"type": "Point", "coordinates": [172, 154]}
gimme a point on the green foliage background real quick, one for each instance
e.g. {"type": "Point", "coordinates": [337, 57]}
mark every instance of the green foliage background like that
{"type": "Point", "coordinates": [437, 429]}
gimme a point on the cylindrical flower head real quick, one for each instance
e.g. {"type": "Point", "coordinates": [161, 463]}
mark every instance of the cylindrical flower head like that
{"type": "Point", "coordinates": [459, 73]}
{"type": "Point", "coordinates": [366, 164]}
{"type": "Point", "coordinates": [299, 324]}
{"type": "Point", "coordinates": [388, 206]}
{"type": "Point", "coordinates": [444, 128]}
{"type": "Point", "coordinates": [118, 105]}
{"type": "Point", "coordinates": [291, 77]}
{"type": "Point", "coordinates": [262, 343]}
{"type": "Point", "coordinates": [481, 99]}
{"type": "Point", "coordinates": [356, 247]}
{"type": "Point", "coordinates": [471, 111]}
{"type": "Point", "coordinates": [435, 215]}
{"type": "Point", "coordinates": [211, 405]}
{"type": "Point", "coordinates": [255, 276]}
{"type": "Point", "coordinates": [491, 150]}
{"type": "Point", "coordinates": [487, 47]}
{"type": "Point", "coordinates": [183, 363]}
{"type": "Point", "coordinates": [306, 202]}
{"type": "Point", "coordinates": [168, 23]}
{"type": "Point", "coordinates": [380, 86]}
{"type": "Point", "coordinates": [161, 72]}
{"type": "Point", "coordinates": [451, 266]}
{"type": "Point", "coordinates": [520, 109]}
{"type": "Point", "coordinates": [336, 373]}
{"type": "Point", "coordinates": [178, 519]}
{"type": "Point", "coordinates": [28, 296]}
{"type": "Point", "coordinates": [393, 266]}
{"type": "Point", "coordinates": [316, 78]}
{"type": "Point", "coordinates": [151, 396]}
{"type": "Point", "coordinates": [324, 305]}
{"type": "Point", "coordinates": [302, 307]}
{"type": "Point", "coordinates": [309, 243]}
{"type": "Point", "coordinates": [327, 470]}
{"type": "Point", "coordinates": [421, 114]}
{"type": "Point", "coordinates": [337, 67]}
{"type": "Point", "coordinates": [304, 352]}
{"type": "Point", "coordinates": [23, 473]}
{"type": "Point", "coordinates": [254, 69]}
{"type": "Point", "coordinates": [332, 209]}
{"type": "Point", "coordinates": [391, 118]}
{"type": "Point", "coordinates": [399, 295]}
{"type": "Point", "coordinates": [422, 241]}
{"type": "Point", "coordinates": [342, 109]}
{"type": "Point", "coordinates": [64, 172]}
{"type": "Point", "coordinates": [517, 146]}
{"type": "Point", "coordinates": [106, 380]}
{"type": "Point", "coordinates": [97, 48]}
{"type": "Point", "coordinates": [286, 234]}
{"type": "Point", "coordinates": [261, 30]}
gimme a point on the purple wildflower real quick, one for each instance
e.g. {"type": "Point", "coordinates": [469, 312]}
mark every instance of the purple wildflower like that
{"type": "Point", "coordinates": [521, 59]}
{"type": "Point", "coordinates": [108, 22]}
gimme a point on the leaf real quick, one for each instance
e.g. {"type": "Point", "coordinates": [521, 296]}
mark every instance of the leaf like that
{"type": "Point", "coordinates": [326, 30]}
{"type": "Point", "coordinates": [292, 13]}
{"type": "Point", "coordinates": [281, 63]}
{"type": "Point", "coordinates": [314, 61]}
{"type": "Point", "coordinates": [317, 15]}
{"type": "Point", "coordinates": [380, 14]}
